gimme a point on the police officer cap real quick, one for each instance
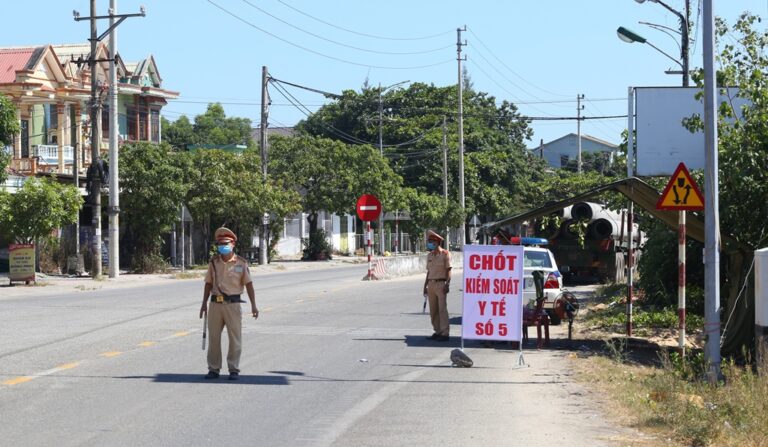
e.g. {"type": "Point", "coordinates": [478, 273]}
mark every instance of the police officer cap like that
{"type": "Point", "coordinates": [434, 236]}
{"type": "Point", "coordinates": [225, 233]}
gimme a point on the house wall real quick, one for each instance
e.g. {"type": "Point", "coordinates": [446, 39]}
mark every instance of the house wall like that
{"type": "Point", "coordinates": [569, 146]}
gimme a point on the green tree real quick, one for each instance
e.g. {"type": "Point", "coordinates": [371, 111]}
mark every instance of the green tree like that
{"type": "Point", "coordinates": [152, 191]}
{"type": "Point", "coordinates": [39, 207]}
{"type": "Point", "coordinates": [331, 175]}
{"type": "Point", "coordinates": [229, 189]}
{"type": "Point", "coordinates": [179, 134]}
{"type": "Point", "coordinates": [9, 126]}
{"type": "Point", "coordinates": [214, 127]}
{"type": "Point", "coordinates": [413, 135]}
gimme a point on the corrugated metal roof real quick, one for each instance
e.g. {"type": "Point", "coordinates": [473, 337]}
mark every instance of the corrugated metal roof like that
{"type": "Point", "coordinates": [12, 60]}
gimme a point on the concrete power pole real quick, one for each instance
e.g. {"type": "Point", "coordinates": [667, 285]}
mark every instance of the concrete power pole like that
{"type": "Point", "coordinates": [445, 177]}
{"type": "Point", "coordinates": [263, 259]}
{"type": "Point", "coordinates": [712, 201]}
{"type": "Point", "coordinates": [114, 187]}
{"type": "Point", "coordinates": [459, 44]}
{"type": "Point", "coordinates": [579, 108]}
{"type": "Point", "coordinates": [95, 114]}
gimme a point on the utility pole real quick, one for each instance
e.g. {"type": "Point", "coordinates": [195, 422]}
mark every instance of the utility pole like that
{"type": "Point", "coordinates": [541, 149]}
{"type": "Point", "coordinates": [114, 191]}
{"type": "Point", "coordinates": [263, 259]}
{"type": "Point", "coordinates": [459, 44]}
{"type": "Point", "coordinates": [95, 113]}
{"type": "Point", "coordinates": [579, 108]}
{"type": "Point", "coordinates": [630, 212]}
{"type": "Point", "coordinates": [445, 178]}
{"type": "Point", "coordinates": [711, 210]}
{"type": "Point", "coordinates": [76, 131]}
{"type": "Point", "coordinates": [381, 152]}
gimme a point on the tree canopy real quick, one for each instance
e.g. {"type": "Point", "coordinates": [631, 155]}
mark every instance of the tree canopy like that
{"type": "Point", "coordinates": [39, 207]}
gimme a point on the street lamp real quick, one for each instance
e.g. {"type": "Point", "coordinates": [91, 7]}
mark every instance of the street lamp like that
{"type": "Point", "coordinates": [683, 35]}
{"type": "Point", "coordinates": [381, 112]}
{"type": "Point", "coordinates": [381, 151]}
{"type": "Point", "coordinates": [629, 36]}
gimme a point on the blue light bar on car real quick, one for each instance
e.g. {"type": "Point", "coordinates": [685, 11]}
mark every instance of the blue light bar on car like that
{"type": "Point", "coordinates": [528, 240]}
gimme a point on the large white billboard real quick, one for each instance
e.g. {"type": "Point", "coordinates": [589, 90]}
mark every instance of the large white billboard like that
{"type": "Point", "coordinates": [662, 141]}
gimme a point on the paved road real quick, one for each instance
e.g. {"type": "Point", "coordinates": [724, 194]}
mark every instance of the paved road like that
{"type": "Point", "coordinates": [331, 361]}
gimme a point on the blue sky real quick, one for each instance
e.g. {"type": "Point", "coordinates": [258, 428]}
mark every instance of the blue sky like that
{"type": "Point", "coordinates": [538, 54]}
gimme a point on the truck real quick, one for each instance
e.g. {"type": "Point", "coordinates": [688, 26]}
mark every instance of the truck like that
{"type": "Point", "coordinates": [590, 242]}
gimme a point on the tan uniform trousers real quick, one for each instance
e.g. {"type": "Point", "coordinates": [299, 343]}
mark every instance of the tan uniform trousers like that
{"type": "Point", "coordinates": [231, 316]}
{"type": "Point", "coordinates": [438, 307]}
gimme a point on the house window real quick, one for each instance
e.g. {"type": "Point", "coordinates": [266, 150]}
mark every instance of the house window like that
{"type": "Point", "coordinates": [24, 138]}
{"type": "Point", "coordinates": [564, 160]}
{"type": "Point", "coordinates": [137, 124]}
{"type": "Point", "coordinates": [155, 125]}
{"type": "Point", "coordinates": [52, 120]}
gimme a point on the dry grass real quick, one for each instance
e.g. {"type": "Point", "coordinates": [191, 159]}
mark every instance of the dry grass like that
{"type": "Point", "coordinates": [662, 401]}
{"type": "Point", "coordinates": [189, 274]}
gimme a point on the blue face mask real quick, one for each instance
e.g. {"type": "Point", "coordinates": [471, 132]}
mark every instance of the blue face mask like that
{"type": "Point", "coordinates": [224, 249]}
{"type": "Point", "coordinates": [431, 245]}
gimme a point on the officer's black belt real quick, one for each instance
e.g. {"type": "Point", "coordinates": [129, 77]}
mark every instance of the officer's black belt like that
{"type": "Point", "coordinates": [441, 279]}
{"type": "Point", "coordinates": [227, 298]}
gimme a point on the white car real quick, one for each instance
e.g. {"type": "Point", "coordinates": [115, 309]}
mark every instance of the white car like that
{"type": "Point", "coordinates": [538, 258]}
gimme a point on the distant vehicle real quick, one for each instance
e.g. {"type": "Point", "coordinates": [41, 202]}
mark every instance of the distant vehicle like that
{"type": "Point", "coordinates": [537, 258]}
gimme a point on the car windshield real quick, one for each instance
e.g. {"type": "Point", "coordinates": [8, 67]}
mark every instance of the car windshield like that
{"type": "Point", "coordinates": [536, 259]}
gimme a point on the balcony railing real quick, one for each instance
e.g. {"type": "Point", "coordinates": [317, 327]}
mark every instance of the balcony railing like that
{"type": "Point", "coordinates": [49, 154]}
{"type": "Point", "coordinates": [44, 158]}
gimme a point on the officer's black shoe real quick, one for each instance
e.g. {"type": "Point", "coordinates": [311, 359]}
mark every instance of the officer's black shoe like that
{"type": "Point", "coordinates": [212, 375]}
{"type": "Point", "coordinates": [442, 338]}
{"type": "Point", "coordinates": [433, 336]}
{"type": "Point", "coordinates": [234, 375]}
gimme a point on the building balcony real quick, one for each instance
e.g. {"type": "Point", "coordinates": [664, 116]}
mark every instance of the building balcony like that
{"type": "Point", "coordinates": [44, 159]}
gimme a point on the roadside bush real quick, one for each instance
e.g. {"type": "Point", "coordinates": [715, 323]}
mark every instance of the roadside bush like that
{"type": "Point", "coordinates": [316, 248]}
{"type": "Point", "coordinates": [52, 257]}
{"type": "Point", "coordinates": [149, 263]}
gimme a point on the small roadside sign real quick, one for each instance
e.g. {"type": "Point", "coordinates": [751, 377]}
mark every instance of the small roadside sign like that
{"type": "Point", "coordinates": [681, 193]}
{"type": "Point", "coordinates": [368, 207]}
{"type": "Point", "coordinates": [22, 262]}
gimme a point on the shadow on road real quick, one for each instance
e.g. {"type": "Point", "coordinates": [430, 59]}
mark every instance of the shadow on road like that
{"type": "Point", "coordinates": [198, 378]}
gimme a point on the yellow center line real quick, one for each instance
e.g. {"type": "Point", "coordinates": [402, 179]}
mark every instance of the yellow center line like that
{"type": "Point", "coordinates": [147, 344]}
{"type": "Point", "coordinates": [268, 309]}
{"type": "Point", "coordinates": [299, 301]}
{"type": "Point", "coordinates": [110, 354]}
{"type": "Point", "coordinates": [18, 380]}
{"type": "Point", "coordinates": [181, 334]}
{"type": "Point", "coordinates": [67, 366]}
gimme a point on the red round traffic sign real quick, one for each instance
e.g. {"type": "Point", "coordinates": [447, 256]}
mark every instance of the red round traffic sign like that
{"type": "Point", "coordinates": [368, 207]}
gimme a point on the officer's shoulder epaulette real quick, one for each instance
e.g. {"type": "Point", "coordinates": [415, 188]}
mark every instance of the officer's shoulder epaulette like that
{"type": "Point", "coordinates": [240, 258]}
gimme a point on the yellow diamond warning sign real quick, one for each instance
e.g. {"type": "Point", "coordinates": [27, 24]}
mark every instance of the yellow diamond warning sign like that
{"type": "Point", "coordinates": [681, 193]}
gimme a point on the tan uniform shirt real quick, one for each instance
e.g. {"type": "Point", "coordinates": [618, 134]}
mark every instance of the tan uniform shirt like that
{"type": "Point", "coordinates": [438, 264]}
{"type": "Point", "coordinates": [228, 277]}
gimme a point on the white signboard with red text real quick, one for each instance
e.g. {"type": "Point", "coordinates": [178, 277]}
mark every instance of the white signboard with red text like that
{"type": "Point", "coordinates": [493, 292]}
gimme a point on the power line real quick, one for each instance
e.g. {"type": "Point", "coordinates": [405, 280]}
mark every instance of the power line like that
{"type": "Point", "coordinates": [343, 135]}
{"type": "Point", "coordinates": [384, 67]}
{"type": "Point", "coordinates": [341, 43]}
{"type": "Point", "coordinates": [511, 70]}
{"type": "Point", "coordinates": [363, 34]}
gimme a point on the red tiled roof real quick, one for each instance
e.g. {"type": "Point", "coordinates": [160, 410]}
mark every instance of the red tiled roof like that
{"type": "Point", "coordinates": [12, 60]}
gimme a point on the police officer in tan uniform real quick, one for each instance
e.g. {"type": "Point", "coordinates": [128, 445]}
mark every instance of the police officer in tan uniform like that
{"type": "Point", "coordinates": [437, 284]}
{"type": "Point", "coordinates": [227, 275]}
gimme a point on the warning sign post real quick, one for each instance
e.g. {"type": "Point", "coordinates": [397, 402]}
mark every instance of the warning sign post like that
{"type": "Point", "coordinates": [493, 293]}
{"type": "Point", "coordinates": [681, 194]}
